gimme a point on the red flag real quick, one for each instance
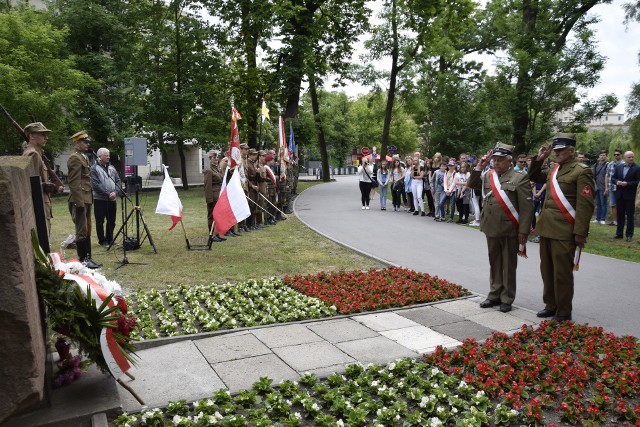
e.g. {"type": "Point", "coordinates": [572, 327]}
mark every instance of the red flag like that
{"type": "Point", "coordinates": [234, 145]}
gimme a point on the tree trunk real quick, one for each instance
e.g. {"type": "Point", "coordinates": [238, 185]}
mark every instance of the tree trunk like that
{"type": "Point", "coordinates": [386, 129]}
{"type": "Point", "coordinates": [252, 98]}
{"type": "Point", "coordinates": [179, 106]}
{"type": "Point", "coordinates": [322, 144]}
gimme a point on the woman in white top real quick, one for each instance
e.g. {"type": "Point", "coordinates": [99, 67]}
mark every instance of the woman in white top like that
{"type": "Point", "coordinates": [417, 173]}
{"type": "Point", "coordinates": [365, 172]}
{"type": "Point", "coordinates": [463, 193]}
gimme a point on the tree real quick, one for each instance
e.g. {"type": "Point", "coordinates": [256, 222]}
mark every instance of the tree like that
{"type": "Point", "coordinates": [39, 79]}
{"type": "Point", "coordinates": [633, 107]}
{"type": "Point", "coordinates": [550, 56]}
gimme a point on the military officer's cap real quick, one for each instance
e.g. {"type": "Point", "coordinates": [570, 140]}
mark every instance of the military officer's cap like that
{"type": "Point", "coordinates": [502, 150]}
{"type": "Point", "coordinates": [212, 153]}
{"type": "Point", "coordinates": [563, 140]}
{"type": "Point", "coordinates": [80, 136]}
{"type": "Point", "coordinates": [253, 151]}
{"type": "Point", "coordinates": [35, 127]}
{"type": "Point", "coordinates": [262, 153]}
{"type": "Point", "coordinates": [244, 145]}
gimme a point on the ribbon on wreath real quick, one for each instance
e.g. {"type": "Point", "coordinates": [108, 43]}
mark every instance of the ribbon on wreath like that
{"type": "Point", "coordinates": [116, 361]}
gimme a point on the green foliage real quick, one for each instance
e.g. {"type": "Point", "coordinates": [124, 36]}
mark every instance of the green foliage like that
{"type": "Point", "coordinates": [39, 79]}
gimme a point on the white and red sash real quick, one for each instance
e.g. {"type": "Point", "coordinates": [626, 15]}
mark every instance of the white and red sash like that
{"type": "Point", "coordinates": [116, 361]}
{"type": "Point", "coordinates": [503, 199]}
{"type": "Point", "coordinates": [272, 176]}
{"type": "Point", "coordinates": [558, 196]}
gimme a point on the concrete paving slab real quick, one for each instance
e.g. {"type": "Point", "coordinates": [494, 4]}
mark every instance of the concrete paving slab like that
{"type": "Point", "coordinates": [231, 347]}
{"type": "Point", "coordinates": [168, 373]}
{"type": "Point", "coordinates": [341, 330]}
{"type": "Point", "coordinates": [384, 321]}
{"type": "Point", "coordinates": [305, 357]}
{"type": "Point", "coordinates": [375, 350]}
{"type": "Point", "coordinates": [282, 336]}
{"type": "Point", "coordinates": [526, 315]}
{"type": "Point", "coordinates": [464, 329]}
{"type": "Point", "coordinates": [243, 373]}
{"type": "Point", "coordinates": [325, 372]}
{"type": "Point", "coordinates": [503, 322]}
{"type": "Point", "coordinates": [430, 316]}
{"type": "Point", "coordinates": [420, 338]}
{"type": "Point", "coordinates": [463, 308]}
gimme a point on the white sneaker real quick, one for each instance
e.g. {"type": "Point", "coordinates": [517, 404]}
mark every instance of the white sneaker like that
{"type": "Point", "coordinates": [595, 221]}
{"type": "Point", "coordinates": [367, 208]}
{"type": "Point", "coordinates": [363, 208]}
{"type": "Point", "coordinates": [603, 223]}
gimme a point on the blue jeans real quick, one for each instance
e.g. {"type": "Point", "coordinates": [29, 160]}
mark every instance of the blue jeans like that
{"type": "Point", "coordinates": [383, 195]}
{"type": "Point", "coordinates": [601, 205]}
{"type": "Point", "coordinates": [443, 202]}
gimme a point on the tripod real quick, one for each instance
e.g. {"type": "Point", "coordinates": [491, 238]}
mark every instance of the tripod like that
{"type": "Point", "coordinates": [136, 243]}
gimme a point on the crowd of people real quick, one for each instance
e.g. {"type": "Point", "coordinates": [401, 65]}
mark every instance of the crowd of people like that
{"type": "Point", "coordinates": [553, 197]}
{"type": "Point", "coordinates": [267, 183]}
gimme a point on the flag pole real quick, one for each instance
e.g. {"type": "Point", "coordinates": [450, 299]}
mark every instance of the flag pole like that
{"type": "Point", "coordinates": [262, 120]}
{"type": "Point", "coordinates": [283, 214]}
{"type": "Point", "coordinates": [260, 207]}
{"type": "Point", "coordinates": [185, 234]}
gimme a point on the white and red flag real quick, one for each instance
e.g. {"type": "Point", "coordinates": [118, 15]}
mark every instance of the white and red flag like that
{"type": "Point", "coordinates": [232, 206]}
{"type": "Point", "coordinates": [169, 203]}
{"type": "Point", "coordinates": [234, 144]}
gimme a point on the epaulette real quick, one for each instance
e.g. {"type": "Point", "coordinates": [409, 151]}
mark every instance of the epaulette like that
{"type": "Point", "coordinates": [583, 166]}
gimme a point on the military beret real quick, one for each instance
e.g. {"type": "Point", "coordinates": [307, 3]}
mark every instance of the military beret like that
{"type": "Point", "coordinates": [268, 157]}
{"type": "Point", "coordinates": [35, 127]}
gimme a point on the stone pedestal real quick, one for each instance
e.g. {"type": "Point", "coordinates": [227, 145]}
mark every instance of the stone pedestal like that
{"type": "Point", "coordinates": [22, 349]}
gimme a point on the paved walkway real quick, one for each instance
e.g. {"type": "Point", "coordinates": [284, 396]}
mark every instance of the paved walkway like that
{"type": "Point", "coordinates": [192, 369]}
{"type": "Point", "coordinates": [607, 290]}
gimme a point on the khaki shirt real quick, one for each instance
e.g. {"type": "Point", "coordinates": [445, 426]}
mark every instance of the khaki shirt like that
{"type": "Point", "coordinates": [494, 222]}
{"type": "Point", "coordinates": [212, 183]}
{"type": "Point", "coordinates": [576, 182]}
{"type": "Point", "coordinates": [79, 178]}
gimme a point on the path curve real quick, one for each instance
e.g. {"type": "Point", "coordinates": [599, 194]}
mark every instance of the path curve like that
{"type": "Point", "coordinates": [607, 290]}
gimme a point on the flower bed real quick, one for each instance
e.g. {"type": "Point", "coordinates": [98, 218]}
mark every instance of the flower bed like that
{"type": "Point", "coordinates": [561, 372]}
{"type": "Point", "coordinates": [572, 373]}
{"type": "Point", "coordinates": [357, 291]}
{"type": "Point", "coordinates": [188, 310]}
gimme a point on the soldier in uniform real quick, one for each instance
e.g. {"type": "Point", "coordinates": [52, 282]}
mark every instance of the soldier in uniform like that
{"type": "Point", "coordinates": [271, 187]}
{"type": "Point", "coordinates": [253, 181]}
{"type": "Point", "coordinates": [505, 220]}
{"type": "Point", "coordinates": [37, 135]}
{"type": "Point", "coordinates": [262, 189]}
{"type": "Point", "coordinates": [212, 185]}
{"type": "Point", "coordinates": [563, 223]}
{"type": "Point", "coordinates": [81, 197]}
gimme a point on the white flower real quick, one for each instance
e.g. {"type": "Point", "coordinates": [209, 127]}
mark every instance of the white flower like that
{"type": "Point", "coordinates": [435, 422]}
{"type": "Point", "coordinates": [340, 422]}
{"type": "Point", "coordinates": [315, 407]}
{"type": "Point", "coordinates": [480, 393]}
{"type": "Point", "coordinates": [392, 366]}
{"type": "Point", "coordinates": [297, 415]}
{"type": "Point", "coordinates": [374, 383]}
{"type": "Point", "coordinates": [439, 409]}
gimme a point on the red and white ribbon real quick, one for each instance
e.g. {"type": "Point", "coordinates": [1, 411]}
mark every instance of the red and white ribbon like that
{"type": "Point", "coordinates": [503, 199]}
{"type": "Point", "coordinates": [116, 361]}
{"type": "Point", "coordinates": [560, 199]}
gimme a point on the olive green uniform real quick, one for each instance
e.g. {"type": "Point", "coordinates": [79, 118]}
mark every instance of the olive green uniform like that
{"type": "Point", "coordinates": [500, 231]}
{"type": "Point", "coordinates": [557, 241]}
{"type": "Point", "coordinates": [80, 194]}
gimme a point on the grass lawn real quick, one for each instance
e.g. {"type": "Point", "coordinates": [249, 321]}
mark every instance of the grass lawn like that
{"type": "Point", "coordinates": [287, 248]}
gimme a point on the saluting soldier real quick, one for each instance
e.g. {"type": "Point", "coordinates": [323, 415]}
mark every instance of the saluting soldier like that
{"type": "Point", "coordinates": [212, 185]}
{"type": "Point", "coordinates": [81, 197]}
{"type": "Point", "coordinates": [563, 223]}
{"type": "Point", "coordinates": [505, 220]}
{"type": "Point", "coordinates": [38, 135]}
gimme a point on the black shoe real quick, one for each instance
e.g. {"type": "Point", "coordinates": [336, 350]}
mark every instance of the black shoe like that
{"type": "Point", "coordinates": [423, 214]}
{"type": "Point", "coordinates": [505, 308]}
{"type": "Point", "coordinates": [616, 237]}
{"type": "Point", "coordinates": [216, 239]}
{"type": "Point", "coordinates": [545, 313]}
{"type": "Point", "coordinates": [416, 213]}
{"type": "Point", "coordinates": [431, 214]}
{"type": "Point", "coordinates": [222, 239]}
{"type": "Point", "coordinates": [233, 233]}
{"type": "Point", "coordinates": [230, 234]}
{"type": "Point", "coordinates": [89, 263]}
{"type": "Point", "coordinates": [628, 238]}
{"type": "Point", "coordinates": [488, 303]}
{"type": "Point", "coordinates": [561, 318]}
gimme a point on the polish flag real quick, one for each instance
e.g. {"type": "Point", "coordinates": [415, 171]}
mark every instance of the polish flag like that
{"type": "Point", "coordinates": [231, 207]}
{"type": "Point", "coordinates": [169, 202]}
{"type": "Point", "coordinates": [234, 144]}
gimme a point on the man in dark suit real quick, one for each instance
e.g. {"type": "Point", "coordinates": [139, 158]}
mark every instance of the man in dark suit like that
{"type": "Point", "coordinates": [626, 177]}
